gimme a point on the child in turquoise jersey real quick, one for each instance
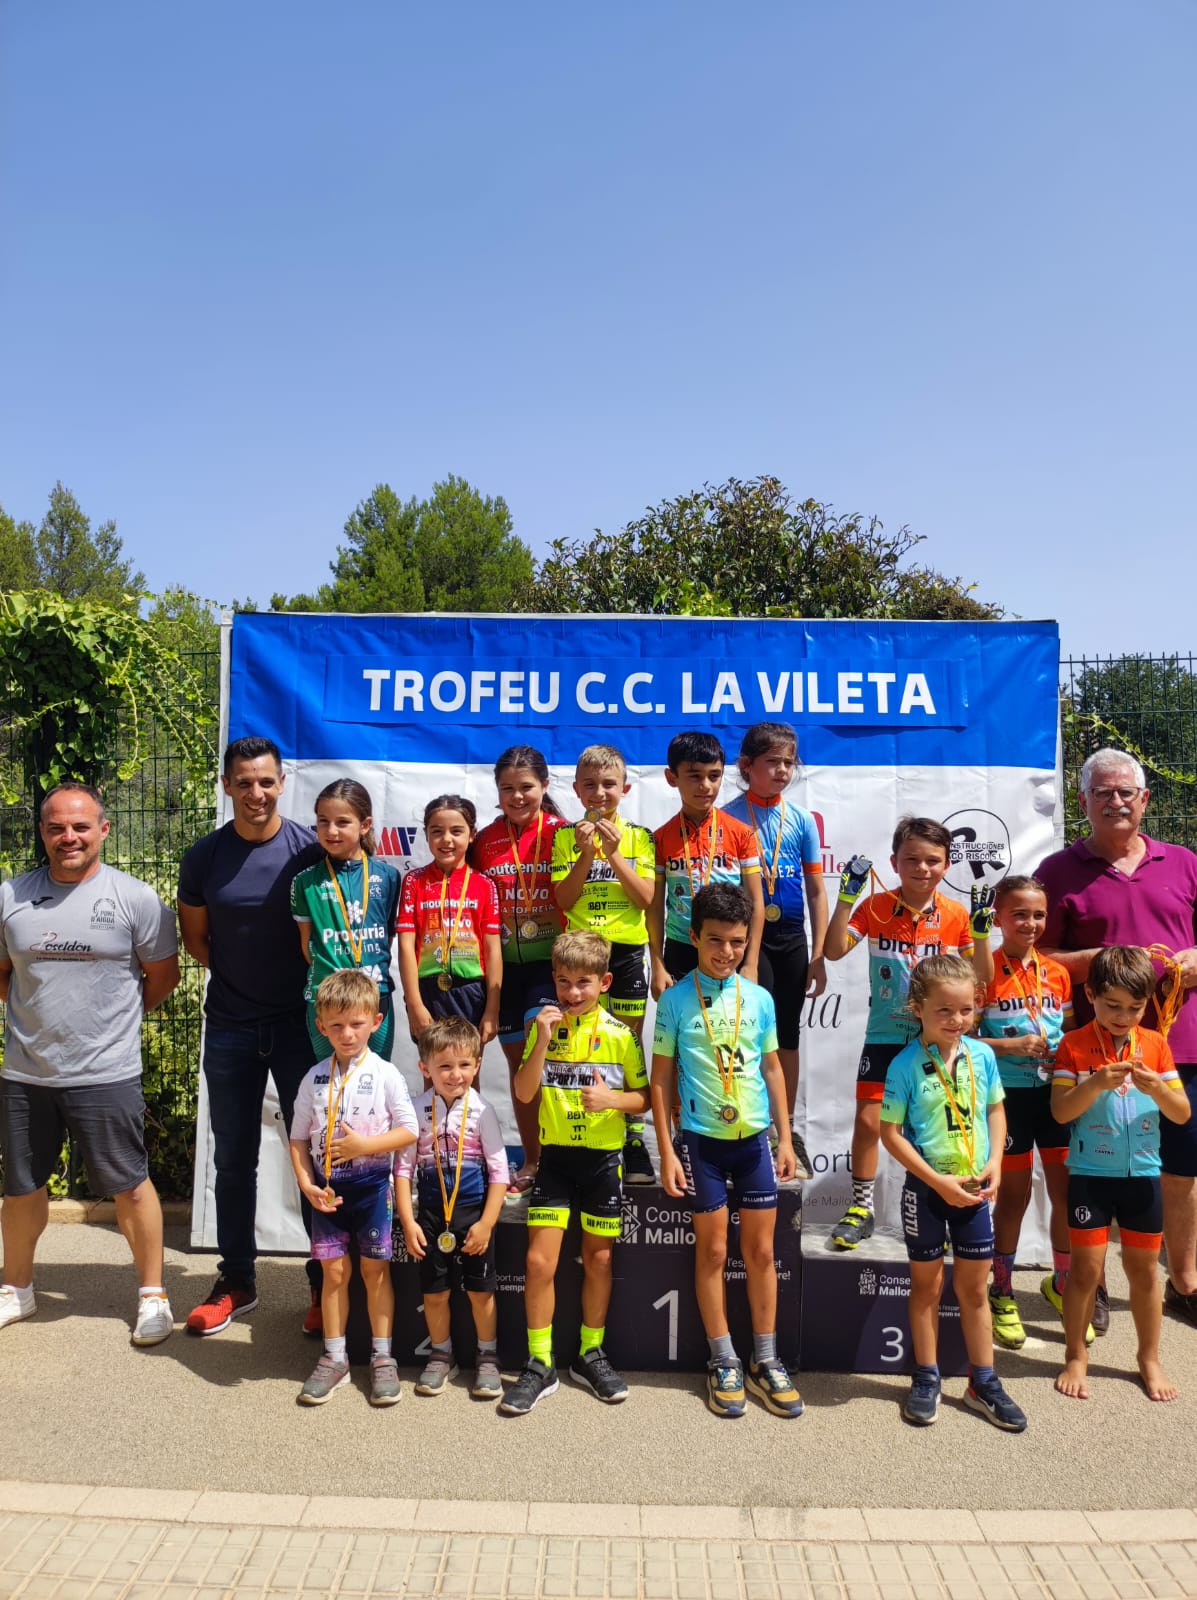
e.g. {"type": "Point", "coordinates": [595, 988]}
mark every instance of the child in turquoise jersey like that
{"type": "Point", "coordinates": [942, 1119]}
{"type": "Point", "coordinates": [345, 907]}
{"type": "Point", "coordinates": [792, 878]}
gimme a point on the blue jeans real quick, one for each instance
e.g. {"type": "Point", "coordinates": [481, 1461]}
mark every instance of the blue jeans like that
{"type": "Point", "coordinates": [236, 1063]}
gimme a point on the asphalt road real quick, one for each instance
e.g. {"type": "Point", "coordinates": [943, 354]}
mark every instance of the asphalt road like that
{"type": "Point", "coordinates": [80, 1404]}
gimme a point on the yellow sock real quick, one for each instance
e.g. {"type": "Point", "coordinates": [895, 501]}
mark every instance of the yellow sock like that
{"type": "Point", "coordinates": [591, 1339]}
{"type": "Point", "coordinates": [540, 1345]}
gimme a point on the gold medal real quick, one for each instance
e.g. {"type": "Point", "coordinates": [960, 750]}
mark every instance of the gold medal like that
{"type": "Point", "coordinates": [447, 1242]}
{"type": "Point", "coordinates": [444, 981]}
{"type": "Point", "coordinates": [728, 1114]}
{"type": "Point", "coordinates": [593, 814]}
{"type": "Point", "coordinates": [728, 1111]}
{"type": "Point", "coordinates": [773, 912]}
{"type": "Point", "coordinates": [769, 869]}
{"type": "Point", "coordinates": [530, 930]}
{"type": "Point", "coordinates": [444, 950]}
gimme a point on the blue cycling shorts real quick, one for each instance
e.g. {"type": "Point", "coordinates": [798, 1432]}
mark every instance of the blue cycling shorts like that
{"type": "Point", "coordinates": [710, 1165]}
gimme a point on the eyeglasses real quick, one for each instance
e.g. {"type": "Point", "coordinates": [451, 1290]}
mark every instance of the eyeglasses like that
{"type": "Point", "coordinates": [1124, 795]}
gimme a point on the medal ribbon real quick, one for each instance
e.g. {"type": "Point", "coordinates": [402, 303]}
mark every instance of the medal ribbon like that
{"type": "Point", "coordinates": [715, 841]}
{"type": "Point", "coordinates": [355, 945]}
{"type": "Point", "coordinates": [1106, 1040]}
{"type": "Point", "coordinates": [1168, 1010]}
{"type": "Point", "coordinates": [445, 953]}
{"type": "Point", "coordinates": [967, 1135]}
{"type": "Point", "coordinates": [527, 900]}
{"type": "Point", "coordinates": [335, 1102]}
{"type": "Point", "coordinates": [771, 870]}
{"type": "Point", "coordinates": [726, 1079]}
{"type": "Point", "coordinates": [448, 1201]}
{"type": "Point", "coordinates": [594, 1030]}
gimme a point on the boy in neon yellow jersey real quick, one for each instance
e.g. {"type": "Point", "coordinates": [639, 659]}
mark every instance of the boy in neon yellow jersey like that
{"type": "Point", "coordinates": [590, 1072]}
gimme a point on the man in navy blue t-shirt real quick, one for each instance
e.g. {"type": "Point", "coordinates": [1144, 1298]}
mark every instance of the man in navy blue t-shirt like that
{"type": "Point", "coordinates": [235, 919]}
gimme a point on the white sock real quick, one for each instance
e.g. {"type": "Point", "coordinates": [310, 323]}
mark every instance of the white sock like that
{"type": "Point", "coordinates": [335, 1347]}
{"type": "Point", "coordinates": [380, 1347]}
{"type": "Point", "coordinates": [152, 1288]}
{"type": "Point", "coordinates": [24, 1296]}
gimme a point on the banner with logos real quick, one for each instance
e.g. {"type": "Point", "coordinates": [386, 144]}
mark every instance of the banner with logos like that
{"type": "Point", "coordinates": [956, 721]}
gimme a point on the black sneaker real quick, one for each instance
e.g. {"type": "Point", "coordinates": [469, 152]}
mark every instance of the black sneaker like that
{"type": "Point", "coordinates": [594, 1372]}
{"type": "Point", "coordinates": [534, 1381]}
{"type": "Point", "coordinates": [922, 1403]}
{"type": "Point", "coordinates": [995, 1405]}
{"type": "Point", "coordinates": [1182, 1305]}
{"type": "Point", "coordinates": [1101, 1311]}
{"type": "Point", "coordinates": [802, 1172]}
{"type": "Point", "coordinates": [637, 1164]}
{"type": "Point", "coordinates": [855, 1224]}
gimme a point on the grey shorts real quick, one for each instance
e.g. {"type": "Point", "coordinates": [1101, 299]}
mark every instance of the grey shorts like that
{"type": "Point", "coordinates": [105, 1120]}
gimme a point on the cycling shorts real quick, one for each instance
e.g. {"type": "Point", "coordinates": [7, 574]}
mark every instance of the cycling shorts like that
{"type": "Point", "coordinates": [710, 1165]}
{"type": "Point", "coordinates": [1133, 1203]}
{"type": "Point", "coordinates": [928, 1222]}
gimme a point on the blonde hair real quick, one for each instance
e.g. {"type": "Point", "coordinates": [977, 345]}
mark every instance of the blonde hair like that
{"type": "Point", "coordinates": [602, 756]}
{"type": "Point", "coordinates": [577, 950]}
{"type": "Point", "coordinates": [446, 1033]}
{"type": "Point", "coordinates": [934, 970]}
{"type": "Point", "coordinates": [348, 989]}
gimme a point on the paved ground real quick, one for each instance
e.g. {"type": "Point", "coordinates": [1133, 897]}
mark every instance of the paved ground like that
{"type": "Point", "coordinates": [189, 1473]}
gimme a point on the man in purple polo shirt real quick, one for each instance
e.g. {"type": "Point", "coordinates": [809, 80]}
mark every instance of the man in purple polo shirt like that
{"type": "Point", "coordinates": [1120, 887]}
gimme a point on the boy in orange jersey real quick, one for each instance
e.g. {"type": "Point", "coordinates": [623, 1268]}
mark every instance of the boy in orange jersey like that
{"type": "Point", "coordinates": [1112, 1080]}
{"type": "Point", "coordinates": [902, 927]}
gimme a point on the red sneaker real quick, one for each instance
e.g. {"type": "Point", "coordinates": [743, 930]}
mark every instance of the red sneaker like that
{"type": "Point", "coordinates": [313, 1322]}
{"type": "Point", "coordinates": [227, 1300]}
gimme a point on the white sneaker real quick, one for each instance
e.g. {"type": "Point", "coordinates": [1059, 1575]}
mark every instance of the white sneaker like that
{"type": "Point", "coordinates": [12, 1308]}
{"type": "Point", "coordinates": [155, 1321]}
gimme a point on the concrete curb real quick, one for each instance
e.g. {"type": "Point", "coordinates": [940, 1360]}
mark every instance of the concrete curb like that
{"type": "Point", "coordinates": [175, 1213]}
{"type": "Point", "coordinates": [705, 1524]}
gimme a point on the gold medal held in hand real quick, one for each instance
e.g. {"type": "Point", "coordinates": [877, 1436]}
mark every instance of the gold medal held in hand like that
{"type": "Point", "coordinates": [593, 814]}
{"type": "Point", "coordinates": [447, 1240]}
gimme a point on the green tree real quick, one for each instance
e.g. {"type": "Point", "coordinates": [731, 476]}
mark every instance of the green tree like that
{"type": "Point", "coordinates": [18, 553]}
{"type": "Point", "coordinates": [1146, 705]}
{"type": "Point", "coordinates": [454, 551]}
{"type": "Point", "coordinates": [746, 549]}
{"type": "Point", "coordinates": [76, 562]}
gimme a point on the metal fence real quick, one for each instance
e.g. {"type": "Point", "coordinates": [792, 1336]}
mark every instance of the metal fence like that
{"type": "Point", "coordinates": [1145, 704]}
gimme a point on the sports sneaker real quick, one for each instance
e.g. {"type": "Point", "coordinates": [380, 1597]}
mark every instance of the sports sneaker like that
{"type": "Point", "coordinates": [313, 1318]}
{"type": "Point", "coordinates": [637, 1163]}
{"type": "Point", "coordinates": [154, 1320]}
{"type": "Point", "coordinates": [535, 1381]}
{"type": "Point", "coordinates": [11, 1308]}
{"type": "Point", "coordinates": [725, 1388]}
{"type": "Point", "coordinates": [773, 1386]}
{"type": "Point", "coordinates": [488, 1379]}
{"type": "Point", "coordinates": [855, 1224]}
{"type": "Point", "coordinates": [995, 1405]}
{"type": "Point", "coordinates": [327, 1376]}
{"type": "Point", "coordinates": [1184, 1305]}
{"type": "Point", "coordinates": [594, 1372]}
{"type": "Point", "coordinates": [1008, 1330]}
{"type": "Point", "coordinates": [1056, 1300]}
{"type": "Point", "coordinates": [803, 1171]}
{"type": "Point", "coordinates": [227, 1300]}
{"type": "Point", "coordinates": [1101, 1311]}
{"type": "Point", "coordinates": [922, 1403]}
{"type": "Point", "coordinates": [384, 1381]}
{"type": "Point", "coordinates": [437, 1373]}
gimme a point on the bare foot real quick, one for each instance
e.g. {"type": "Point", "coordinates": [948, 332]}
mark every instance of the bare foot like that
{"type": "Point", "coordinates": [1072, 1381]}
{"type": "Point", "coordinates": [1158, 1386]}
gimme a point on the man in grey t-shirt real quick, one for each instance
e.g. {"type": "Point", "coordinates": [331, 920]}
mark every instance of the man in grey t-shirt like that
{"type": "Point", "coordinates": [85, 951]}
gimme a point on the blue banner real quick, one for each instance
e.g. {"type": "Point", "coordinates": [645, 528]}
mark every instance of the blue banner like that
{"type": "Point", "coordinates": [427, 689]}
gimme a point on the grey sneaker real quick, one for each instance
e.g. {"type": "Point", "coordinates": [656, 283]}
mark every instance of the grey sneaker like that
{"type": "Point", "coordinates": [384, 1381]}
{"type": "Point", "coordinates": [154, 1320]}
{"type": "Point", "coordinates": [802, 1172]}
{"type": "Point", "coordinates": [328, 1375]}
{"type": "Point", "coordinates": [436, 1374]}
{"type": "Point", "coordinates": [488, 1379]}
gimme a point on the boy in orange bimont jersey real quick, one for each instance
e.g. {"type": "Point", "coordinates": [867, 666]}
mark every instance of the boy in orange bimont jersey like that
{"type": "Point", "coordinates": [902, 927]}
{"type": "Point", "coordinates": [701, 845]}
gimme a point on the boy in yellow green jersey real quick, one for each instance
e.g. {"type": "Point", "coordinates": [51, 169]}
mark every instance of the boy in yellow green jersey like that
{"type": "Point", "coordinates": [589, 1070]}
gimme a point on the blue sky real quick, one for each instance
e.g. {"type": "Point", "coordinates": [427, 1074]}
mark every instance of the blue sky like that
{"type": "Point", "coordinates": [928, 261]}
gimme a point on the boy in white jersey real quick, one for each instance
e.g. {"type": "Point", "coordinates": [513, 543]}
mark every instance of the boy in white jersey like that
{"type": "Point", "coordinates": [459, 1165]}
{"type": "Point", "coordinates": [352, 1113]}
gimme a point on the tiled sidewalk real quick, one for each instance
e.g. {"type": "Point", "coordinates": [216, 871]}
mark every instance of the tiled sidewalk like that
{"type": "Point", "coordinates": [68, 1542]}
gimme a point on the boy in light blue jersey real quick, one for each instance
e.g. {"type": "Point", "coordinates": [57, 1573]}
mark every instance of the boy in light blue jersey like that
{"type": "Point", "coordinates": [716, 1044]}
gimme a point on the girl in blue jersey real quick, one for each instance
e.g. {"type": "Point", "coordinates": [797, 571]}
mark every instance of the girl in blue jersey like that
{"type": "Point", "coordinates": [791, 968]}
